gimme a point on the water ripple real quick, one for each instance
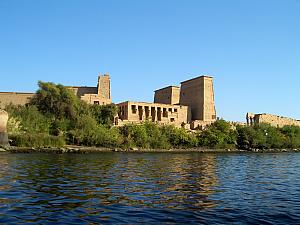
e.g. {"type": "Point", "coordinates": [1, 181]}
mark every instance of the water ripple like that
{"type": "Point", "coordinates": [152, 188]}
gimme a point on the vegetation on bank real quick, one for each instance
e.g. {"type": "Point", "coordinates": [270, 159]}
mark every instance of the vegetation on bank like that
{"type": "Point", "coordinates": [56, 117]}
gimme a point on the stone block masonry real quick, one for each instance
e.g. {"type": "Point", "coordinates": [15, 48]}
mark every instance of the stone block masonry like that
{"type": "Point", "coordinates": [274, 120]}
{"type": "Point", "coordinates": [16, 98]}
{"type": "Point", "coordinates": [198, 94]}
{"type": "Point", "coordinates": [167, 95]}
{"type": "Point", "coordinates": [93, 95]}
{"type": "Point", "coordinates": [138, 112]}
{"type": "Point", "coordinates": [193, 103]}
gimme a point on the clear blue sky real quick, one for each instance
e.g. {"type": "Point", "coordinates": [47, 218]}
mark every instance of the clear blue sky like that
{"type": "Point", "coordinates": [251, 47]}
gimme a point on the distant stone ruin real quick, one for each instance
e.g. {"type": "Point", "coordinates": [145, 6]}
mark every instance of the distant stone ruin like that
{"type": "Point", "coordinates": [3, 130]}
{"type": "Point", "coordinates": [274, 120]}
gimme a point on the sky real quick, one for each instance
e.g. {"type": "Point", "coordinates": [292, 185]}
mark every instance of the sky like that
{"type": "Point", "coordinates": [250, 47]}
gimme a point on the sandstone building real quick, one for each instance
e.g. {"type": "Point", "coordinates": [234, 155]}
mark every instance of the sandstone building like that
{"type": "Point", "coordinates": [167, 95]}
{"type": "Point", "coordinates": [198, 94]}
{"type": "Point", "coordinates": [16, 98]}
{"type": "Point", "coordinates": [192, 105]}
{"type": "Point", "coordinates": [276, 121]}
{"type": "Point", "coordinates": [137, 112]}
{"type": "Point", "coordinates": [93, 95]}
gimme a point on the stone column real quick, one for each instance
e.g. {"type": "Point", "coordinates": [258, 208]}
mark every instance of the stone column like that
{"type": "Point", "coordinates": [3, 131]}
{"type": "Point", "coordinates": [250, 119]}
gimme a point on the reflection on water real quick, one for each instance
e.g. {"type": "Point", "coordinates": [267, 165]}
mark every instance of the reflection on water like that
{"type": "Point", "coordinates": [149, 188]}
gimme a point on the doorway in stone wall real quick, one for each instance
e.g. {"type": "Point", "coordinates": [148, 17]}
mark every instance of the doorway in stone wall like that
{"type": "Point", "coordinates": [140, 109]}
{"type": "Point", "coordinates": [153, 114]}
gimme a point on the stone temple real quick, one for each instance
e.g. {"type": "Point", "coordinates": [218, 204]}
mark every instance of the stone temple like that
{"type": "Point", "coordinates": [192, 105]}
{"type": "Point", "coordinates": [273, 120]}
{"type": "Point", "coordinates": [92, 95]}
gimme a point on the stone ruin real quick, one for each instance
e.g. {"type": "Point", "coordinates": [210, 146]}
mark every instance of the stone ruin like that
{"type": "Point", "coordinates": [3, 130]}
{"type": "Point", "coordinates": [273, 120]}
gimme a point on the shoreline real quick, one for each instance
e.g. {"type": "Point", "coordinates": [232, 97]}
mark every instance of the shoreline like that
{"type": "Point", "coordinates": [89, 150]}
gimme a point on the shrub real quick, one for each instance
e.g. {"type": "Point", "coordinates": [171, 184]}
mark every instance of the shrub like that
{"type": "Point", "coordinates": [104, 114]}
{"type": "Point", "coordinates": [145, 135]}
{"type": "Point", "coordinates": [29, 118]}
{"type": "Point", "coordinates": [292, 136]}
{"type": "Point", "coordinates": [220, 134]}
{"type": "Point", "coordinates": [261, 136]}
{"type": "Point", "coordinates": [107, 137]}
{"type": "Point", "coordinates": [36, 140]}
{"type": "Point", "coordinates": [179, 137]}
{"type": "Point", "coordinates": [55, 100]}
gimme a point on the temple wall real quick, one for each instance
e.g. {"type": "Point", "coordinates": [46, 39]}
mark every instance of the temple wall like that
{"type": "Point", "coordinates": [198, 94]}
{"type": "Point", "coordinates": [15, 98]}
{"type": "Point", "coordinates": [80, 91]}
{"type": "Point", "coordinates": [168, 95]}
{"type": "Point", "coordinates": [92, 95]}
{"type": "Point", "coordinates": [104, 87]}
{"type": "Point", "coordinates": [274, 120]}
{"type": "Point", "coordinates": [137, 112]}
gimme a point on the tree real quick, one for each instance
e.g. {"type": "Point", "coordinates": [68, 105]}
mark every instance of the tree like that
{"type": "Point", "coordinates": [179, 137]}
{"type": "Point", "coordinates": [104, 114]}
{"type": "Point", "coordinates": [292, 135]}
{"type": "Point", "coordinates": [55, 100]}
{"type": "Point", "coordinates": [220, 134]}
{"type": "Point", "coordinates": [29, 119]}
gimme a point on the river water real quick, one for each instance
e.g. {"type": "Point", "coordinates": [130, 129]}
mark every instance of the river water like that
{"type": "Point", "coordinates": [151, 188]}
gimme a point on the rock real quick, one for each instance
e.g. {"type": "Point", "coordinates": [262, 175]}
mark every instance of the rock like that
{"type": "Point", "coordinates": [3, 120]}
{"type": "Point", "coordinates": [2, 150]}
{"type": "Point", "coordinates": [134, 149]}
{"type": "Point", "coordinates": [63, 150]}
{"type": "Point", "coordinates": [3, 131]}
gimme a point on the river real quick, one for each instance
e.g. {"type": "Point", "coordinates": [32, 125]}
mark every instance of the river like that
{"type": "Point", "coordinates": [150, 188]}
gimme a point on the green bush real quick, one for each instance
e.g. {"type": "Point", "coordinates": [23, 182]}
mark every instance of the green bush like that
{"type": "Point", "coordinates": [292, 136]}
{"type": "Point", "coordinates": [56, 116]}
{"type": "Point", "coordinates": [30, 119]}
{"type": "Point", "coordinates": [107, 137]}
{"type": "Point", "coordinates": [134, 136]}
{"type": "Point", "coordinates": [145, 135]}
{"type": "Point", "coordinates": [89, 133]}
{"type": "Point", "coordinates": [220, 134]}
{"type": "Point", "coordinates": [157, 139]}
{"type": "Point", "coordinates": [36, 140]}
{"type": "Point", "coordinates": [104, 114]}
{"type": "Point", "coordinates": [179, 137]}
{"type": "Point", "coordinates": [262, 136]}
{"type": "Point", "coordinates": [55, 100]}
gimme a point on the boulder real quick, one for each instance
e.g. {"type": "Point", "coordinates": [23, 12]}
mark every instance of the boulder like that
{"type": "Point", "coordinates": [3, 130]}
